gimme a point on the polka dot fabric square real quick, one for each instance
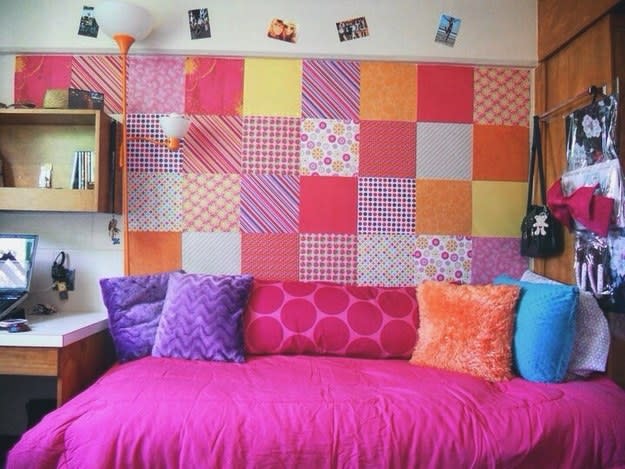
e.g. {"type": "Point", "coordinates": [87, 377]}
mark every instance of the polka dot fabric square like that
{"type": "Point", "coordinates": [328, 257]}
{"type": "Point", "coordinates": [443, 258]}
{"type": "Point", "coordinates": [258, 255]}
{"type": "Point", "coordinates": [145, 156]}
{"type": "Point", "coordinates": [213, 145]}
{"type": "Point", "coordinates": [386, 259]}
{"type": "Point", "coordinates": [329, 147]}
{"type": "Point", "coordinates": [271, 145]}
{"type": "Point", "coordinates": [387, 149]}
{"type": "Point", "coordinates": [330, 88]}
{"type": "Point", "coordinates": [269, 204]}
{"type": "Point", "coordinates": [211, 202]}
{"type": "Point", "coordinates": [154, 201]}
{"type": "Point", "coordinates": [386, 205]}
{"type": "Point", "coordinates": [323, 318]}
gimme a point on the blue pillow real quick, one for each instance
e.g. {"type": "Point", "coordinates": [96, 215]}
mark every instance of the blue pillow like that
{"type": "Point", "coordinates": [544, 329]}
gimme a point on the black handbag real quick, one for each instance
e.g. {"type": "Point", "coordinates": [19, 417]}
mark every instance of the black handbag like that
{"type": "Point", "coordinates": [541, 233]}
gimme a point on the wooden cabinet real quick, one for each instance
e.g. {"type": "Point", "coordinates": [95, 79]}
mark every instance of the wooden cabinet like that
{"type": "Point", "coordinates": [30, 138]}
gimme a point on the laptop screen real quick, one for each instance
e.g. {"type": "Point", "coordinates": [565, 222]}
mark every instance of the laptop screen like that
{"type": "Point", "coordinates": [17, 257]}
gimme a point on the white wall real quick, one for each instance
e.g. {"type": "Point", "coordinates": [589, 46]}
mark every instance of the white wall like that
{"type": "Point", "coordinates": [492, 31]}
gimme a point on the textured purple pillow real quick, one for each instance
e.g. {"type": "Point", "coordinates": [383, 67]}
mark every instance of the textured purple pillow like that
{"type": "Point", "coordinates": [134, 305]}
{"type": "Point", "coordinates": [203, 317]}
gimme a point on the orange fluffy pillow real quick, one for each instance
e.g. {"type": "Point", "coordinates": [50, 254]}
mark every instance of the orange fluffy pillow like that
{"type": "Point", "coordinates": [466, 328]}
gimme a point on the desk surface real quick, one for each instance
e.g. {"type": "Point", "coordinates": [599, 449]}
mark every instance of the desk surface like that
{"type": "Point", "coordinates": [56, 330]}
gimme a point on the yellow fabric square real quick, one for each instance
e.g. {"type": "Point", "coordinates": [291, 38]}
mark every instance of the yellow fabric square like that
{"type": "Point", "coordinates": [498, 208]}
{"type": "Point", "coordinates": [388, 91]}
{"type": "Point", "coordinates": [272, 87]}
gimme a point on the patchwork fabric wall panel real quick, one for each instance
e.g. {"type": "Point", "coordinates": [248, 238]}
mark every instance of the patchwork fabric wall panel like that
{"type": "Point", "coordinates": [364, 172]}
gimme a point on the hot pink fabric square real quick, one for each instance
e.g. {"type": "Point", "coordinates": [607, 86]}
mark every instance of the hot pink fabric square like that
{"type": "Point", "coordinates": [327, 318]}
{"type": "Point", "coordinates": [445, 93]}
{"type": "Point", "coordinates": [328, 204]}
{"type": "Point", "coordinates": [34, 74]}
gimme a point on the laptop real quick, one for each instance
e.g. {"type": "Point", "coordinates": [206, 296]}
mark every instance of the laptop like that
{"type": "Point", "coordinates": [17, 259]}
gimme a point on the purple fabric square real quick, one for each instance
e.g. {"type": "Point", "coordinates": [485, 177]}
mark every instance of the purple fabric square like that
{"type": "Point", "coordinates": [134, 305]}
{"type": "Point", "coordinates": [203, 317]}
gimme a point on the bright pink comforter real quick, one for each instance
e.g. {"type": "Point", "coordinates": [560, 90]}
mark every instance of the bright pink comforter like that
{"type": "Point", "coordinates": [318, 412]}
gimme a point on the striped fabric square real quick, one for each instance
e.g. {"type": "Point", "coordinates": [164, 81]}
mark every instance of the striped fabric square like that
{"type": "Point", "coordinates": [443, 207]}
{"type": "Point", "coordinates": [328, 257]}
{"type": "Point", "coordinates": [210, 202]}
{"type": "Point", "coordinates": [444, 151]}
{"type": "Point", "coordinates": [271, 145]}
{"type": "Point", "coordinates": [502, 96]}
{"type": "Point", "coordinates": [495, 256]}
{"type": "Point", "coordinates": [269, 203]}
{"type": "Point", "coordinates": [258, 255]}
{"type": "Point", "coordinates": [387, 148]}
{"type": "Point", "coordinates": [388, 91]}
{"type": "Point", "coordinates": [211, 253]}
{"type": "Point", "coordinates": [443, 258]}
{"type": "Point", "coordinates": [329, 147]}
{"type": "Point", "coordinates": [213, 85]}
{"type": "Point", "coordinates": [100, 73]}
{"type": "Point", "coordinates": [155, 84]}
{"type": "Point", "coordinates": [386, 259]}
{"type": "Point", "coordinates": [34, 74]}
{"type": "Point", "coordinates": [386, 205]}
{"type": "Point", "coordinates": [213, 145]}
{"type": "Point", "coordinates": [154, 201]}
{"type": "Point", "coordinates": [145, 156]}
{"type": "Point", "coordinates": [330, 89]}
{"type": "Point", "coordinates": [445, 93]}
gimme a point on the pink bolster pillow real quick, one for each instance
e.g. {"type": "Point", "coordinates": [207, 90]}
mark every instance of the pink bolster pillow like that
{"type": "Point", "coordinates": [323, 318]}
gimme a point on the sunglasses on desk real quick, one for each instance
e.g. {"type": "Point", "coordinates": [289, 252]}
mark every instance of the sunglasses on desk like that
{"type": "Point", "coordinates": [17, 106]}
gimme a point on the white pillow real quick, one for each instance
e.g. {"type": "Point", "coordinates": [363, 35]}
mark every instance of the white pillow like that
{"type": "Point", "coordinates": [592, 333]}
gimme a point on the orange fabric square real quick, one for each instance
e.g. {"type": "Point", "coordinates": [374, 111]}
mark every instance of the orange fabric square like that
{"type": "Point", "coordinates": [500, 152]}
{"type": "Point", "coordinates": [443, 207]}
{"type": "Point", "coordinates": [445, 94]}
{"type": "Point", "coordinates": [258, 255]}
{"type": "Point", "coordinates": [388, 91]}
{"type": "Point", "coordinates": [328, 204]}
{"type": "Point", "coordinates": [154, 251]}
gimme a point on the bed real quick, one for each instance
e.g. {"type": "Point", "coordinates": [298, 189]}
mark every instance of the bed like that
{"type": "Point", "coordinates": [310, 399]}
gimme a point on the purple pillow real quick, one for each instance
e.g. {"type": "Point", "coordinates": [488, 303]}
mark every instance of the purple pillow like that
{"type": "Point", "coordinates": [134, 305]}
{"type": "Point", "coordinates": [203, 317]}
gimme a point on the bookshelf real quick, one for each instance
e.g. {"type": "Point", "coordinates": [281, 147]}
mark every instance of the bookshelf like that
{"type": "Point", "coordinates": [31, 138]}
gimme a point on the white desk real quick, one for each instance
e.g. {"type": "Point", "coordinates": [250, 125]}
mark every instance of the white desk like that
{"type": "Point", "coordinates": [75, 348]}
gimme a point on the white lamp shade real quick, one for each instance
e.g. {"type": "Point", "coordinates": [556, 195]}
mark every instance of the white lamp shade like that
{"type": "Point", "coordinates": [175, 125]}
{"type": "Point", "coordinates": [123, 18]}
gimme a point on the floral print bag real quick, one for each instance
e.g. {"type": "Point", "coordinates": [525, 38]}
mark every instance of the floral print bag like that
{"type": "Point", "coordinates": [591, 133]}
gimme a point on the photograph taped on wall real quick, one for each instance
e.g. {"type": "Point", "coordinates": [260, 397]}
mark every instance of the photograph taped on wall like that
{"type": "Point", "coordinates": [447, 31]}
{"type": "Point", "coordinates": [85, 99]}
{"type": "Point", "coordinates": [283, 30]}
{"type": "Point", "coordinates": [354, 28]}
{"type": "Point", "coordinates": [88, 25]}
{"type": "Point", "coordinates": [199, 25]}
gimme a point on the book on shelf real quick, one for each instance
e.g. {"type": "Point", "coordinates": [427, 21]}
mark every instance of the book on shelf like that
{"type": "Point", "coordinates": [83, 170]}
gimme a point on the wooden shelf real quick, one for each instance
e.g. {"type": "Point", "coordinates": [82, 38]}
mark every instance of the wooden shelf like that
{"type": "Point", "coordinates": [30, 138]}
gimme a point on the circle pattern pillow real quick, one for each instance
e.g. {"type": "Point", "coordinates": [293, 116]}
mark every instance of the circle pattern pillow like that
{"type": "Point", "coordinates": [326, 318]}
